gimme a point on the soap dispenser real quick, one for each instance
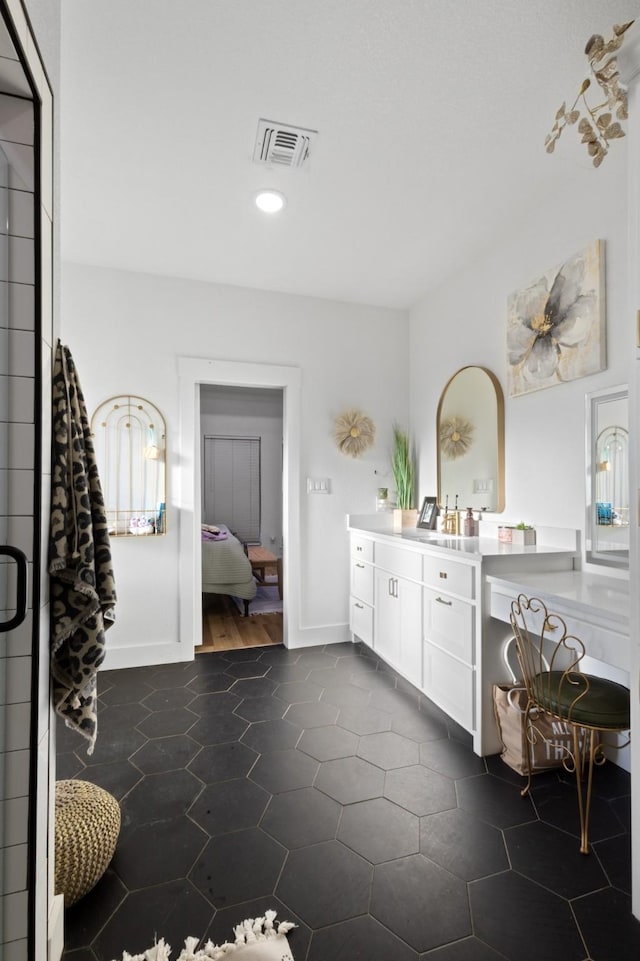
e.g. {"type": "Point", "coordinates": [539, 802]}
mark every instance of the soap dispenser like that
{"type": "Point", "coordinates": [469, 524]}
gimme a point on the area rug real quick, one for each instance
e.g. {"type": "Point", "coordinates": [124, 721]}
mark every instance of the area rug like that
{"type": "Point", "coordinates": [266, 600]}
{"type": "Point", "coordinates": [256, 939]}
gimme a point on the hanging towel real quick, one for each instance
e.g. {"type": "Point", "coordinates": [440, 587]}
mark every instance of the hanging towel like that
{"type": "Point", "coordinates": [82, 586]}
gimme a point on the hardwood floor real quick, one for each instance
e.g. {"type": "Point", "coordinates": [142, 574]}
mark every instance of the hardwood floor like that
{"type": "Point", "coordinates": [224, 628]}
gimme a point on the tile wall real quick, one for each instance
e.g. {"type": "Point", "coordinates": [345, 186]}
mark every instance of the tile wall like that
{"type": "Point", "coordinates": [26, 344]}
{"type": "Point", "coordinates": [17, 486]}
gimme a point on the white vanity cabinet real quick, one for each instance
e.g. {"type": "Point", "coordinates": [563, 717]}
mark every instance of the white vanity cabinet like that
{"type": "Point", "coordinates": [397, 621]}
{"type": "Point", "coordinates": [449, 674]}
{"type": "Point", "coordinates": [362, 589]}
{"type": "Point", "coordinates": [423, 604]}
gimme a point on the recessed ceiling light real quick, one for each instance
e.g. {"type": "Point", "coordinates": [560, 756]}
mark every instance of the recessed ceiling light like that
{"type": "Point", "coordinates": [270, 201]}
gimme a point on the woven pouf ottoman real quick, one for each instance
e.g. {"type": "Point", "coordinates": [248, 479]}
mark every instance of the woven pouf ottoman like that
{"type": "Point", "coordinates": [87, 825]}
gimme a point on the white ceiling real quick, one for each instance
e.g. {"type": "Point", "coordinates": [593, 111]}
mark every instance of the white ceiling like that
{"type": "Point", "coordinates": [431, 115]}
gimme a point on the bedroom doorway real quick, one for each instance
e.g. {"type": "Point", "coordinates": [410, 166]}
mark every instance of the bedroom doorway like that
{"type": "Point", "coordinates": [241, 431]}
{"type": "Point", "coordinates": [195, 374]}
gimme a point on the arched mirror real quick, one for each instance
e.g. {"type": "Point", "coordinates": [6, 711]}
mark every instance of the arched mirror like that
{"type": "Point", "coordinates": [470, 431]}
{"type": "Point", "coordinates": [607, 521]}
{"type": "Point", "coordinates": [130, 439]}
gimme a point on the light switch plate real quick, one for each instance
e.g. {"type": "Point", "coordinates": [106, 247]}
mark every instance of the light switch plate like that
{"type": "Point", "coordinates": [318, 485]}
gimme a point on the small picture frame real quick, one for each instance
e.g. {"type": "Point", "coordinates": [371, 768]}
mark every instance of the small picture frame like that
{"type": "Point", "coordinates": [428, 514]}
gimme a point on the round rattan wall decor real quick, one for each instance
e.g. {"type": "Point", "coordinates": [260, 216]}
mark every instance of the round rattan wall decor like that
{"type": "Point", "coordinates": [354, 433]}
{"type": "Point", "coordinates": [456, 437]}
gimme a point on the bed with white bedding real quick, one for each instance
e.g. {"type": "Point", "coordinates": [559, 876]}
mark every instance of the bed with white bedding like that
{"type": "Point", "coordinates": [226, 569]}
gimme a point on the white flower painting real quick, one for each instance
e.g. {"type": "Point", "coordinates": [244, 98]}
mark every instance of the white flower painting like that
{"type": "Point", "coordinates": [556, 326]}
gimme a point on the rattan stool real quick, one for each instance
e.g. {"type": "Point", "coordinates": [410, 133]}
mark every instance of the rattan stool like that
{"type": "Point", "coordinates": [87, 825]}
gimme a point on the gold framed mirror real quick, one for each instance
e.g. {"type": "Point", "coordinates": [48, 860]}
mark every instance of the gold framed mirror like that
{"type": "Point", "coordinates": [607, 462]}
{"type": "Point", "coordinates": [470, 441]}
{"type": "Point", "coordinates": [130, 440]}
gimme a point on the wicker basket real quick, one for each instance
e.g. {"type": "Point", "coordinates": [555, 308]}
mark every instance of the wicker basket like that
{"type": "Point", "coordinates": [87, 825]}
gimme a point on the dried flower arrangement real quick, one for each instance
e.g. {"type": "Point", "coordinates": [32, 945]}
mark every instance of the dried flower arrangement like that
{"type": "Point", "coordinates": [456, 437]}
{"type": "Point", "coordinates": [598, 126]}
{"type": "Point", "coordinates": [354, 433]}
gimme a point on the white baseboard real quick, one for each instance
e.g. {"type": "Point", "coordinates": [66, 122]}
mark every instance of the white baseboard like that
{"type": "Point", "coordinates": [145, 655]}
{"type": "Point", "coordinates": [324, 634]}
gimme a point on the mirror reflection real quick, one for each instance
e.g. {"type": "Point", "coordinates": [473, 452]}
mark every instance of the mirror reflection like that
{"type": "Point", "coordinates": [607, 534]}
{"type": "Point", "coordinates": [470, 431]}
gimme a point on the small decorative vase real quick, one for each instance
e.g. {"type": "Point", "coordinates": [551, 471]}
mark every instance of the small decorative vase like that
{"type": "Point", "coordinates": [382, 499]}
{"type": "Point", "coordinates": [410, 517]}
{"type": "Point", "coordinates": [526, 537]}
{"type": "Point", "coordinates": [404, 518]}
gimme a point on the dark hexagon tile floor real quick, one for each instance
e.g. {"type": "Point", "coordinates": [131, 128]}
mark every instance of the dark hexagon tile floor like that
{"type": "Point", "coordinates": [238, 867]}
{"type": "Point", "coordinates": [282, 771]}
{"type": "Point", "coordinates": [379, 830]}
{"type": "Point", "coordinates": [325, 883]}
{"type": "Point", "coordinates": [524, 921]}
{"type": "Point", "coordinates": [399, 900]}
{"type": "Point", "coordinates": [319, 783]}
{"type": "Point", "coordinates": [229, 806]}
{"type": "Point", "coordinates": [300, 818]}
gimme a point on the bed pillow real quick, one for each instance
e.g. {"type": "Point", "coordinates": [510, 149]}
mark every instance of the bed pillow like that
{"type": "Point", "coordinates": [210, 536]}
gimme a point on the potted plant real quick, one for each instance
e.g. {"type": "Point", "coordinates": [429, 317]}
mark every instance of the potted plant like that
{"type": "Point", "coordinates": [523, 534]}
{"type": "Point", "coordinates": [404, 476]}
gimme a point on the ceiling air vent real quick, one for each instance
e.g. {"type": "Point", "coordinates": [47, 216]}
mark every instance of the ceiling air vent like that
{"type": "Point", "coordinates": [283, 145]}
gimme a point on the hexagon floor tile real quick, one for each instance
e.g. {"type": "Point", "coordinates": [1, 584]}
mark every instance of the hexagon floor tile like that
{"type": "Point", "coordinates": [238, 867]}
{"type": "Point", "coordinates": [299, 818]}
{"type": "Point", "coordinates": [523, 920]}
{"type": "Point", "coordinates": [320, 783]}
{"type": "Point", "coordinates": [379, 830]}
{"type": "Point", "coordinates": [229, 806]}
{"type": "Point", "coordinates": [325, 883]}
{"type": "Point", "coordinates": [399, 901]}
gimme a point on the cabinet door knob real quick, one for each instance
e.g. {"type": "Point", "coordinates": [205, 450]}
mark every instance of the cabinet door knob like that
{"type": "Point", "coordinates": [443, 574]}
{"type": "Point", "coordinates": [441, 600]}
{"type": "Point", "coordinates": [361, 606]}
{"type": "Point", "coordinates": [358, 548]}
{"type": "Point", "coordinates": [360, 565]}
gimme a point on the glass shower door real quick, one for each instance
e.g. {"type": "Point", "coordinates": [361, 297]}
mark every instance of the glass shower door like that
{"type": "Point", "coordinates": [13, 562]}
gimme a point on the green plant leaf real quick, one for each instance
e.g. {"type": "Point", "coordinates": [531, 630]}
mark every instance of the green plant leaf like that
{"type": "Point", "coordinates": [403, 468]}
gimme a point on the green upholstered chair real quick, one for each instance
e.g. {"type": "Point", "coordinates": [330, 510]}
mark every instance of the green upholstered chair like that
{"type": "Point", "coordinates": [549, 658]}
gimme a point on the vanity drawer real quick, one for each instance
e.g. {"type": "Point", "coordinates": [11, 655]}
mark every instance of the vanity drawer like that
{"type": "Point", "coordinates": [450, 684]}
{"type": "Point", "coordinates": [449, 624]}
{"type": "Point", "coordinates": [362, 548]}
{"type": "Point", "coordinates": [361, 620]}
{"type": "Point", "coordinates": [362, 580]}
{"type": "Point", "coordinates": [446, 575]}
{"type": "Point", "coordinates": [400, 562]}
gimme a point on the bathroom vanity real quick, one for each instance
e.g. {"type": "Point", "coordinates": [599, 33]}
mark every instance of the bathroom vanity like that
{"type": "Point", "coordinates": [436, 609]}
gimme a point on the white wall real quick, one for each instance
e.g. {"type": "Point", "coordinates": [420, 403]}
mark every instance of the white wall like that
{"type": "Point", "coordinates": [238, 412]}
{"type": "Point", "coordinates": [126, 332]}
{"type": "Point", "coordinates": [464, 322]}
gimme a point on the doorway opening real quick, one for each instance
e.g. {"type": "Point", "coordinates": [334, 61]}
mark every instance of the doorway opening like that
{"type": "Point", "coordinates": [241, 435]}
{"type": "Point", "coordinates": [195, 376]}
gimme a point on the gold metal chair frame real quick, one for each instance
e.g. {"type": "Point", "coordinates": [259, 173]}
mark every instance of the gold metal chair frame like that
{"type": "Point", "coordinates": [549, 658]}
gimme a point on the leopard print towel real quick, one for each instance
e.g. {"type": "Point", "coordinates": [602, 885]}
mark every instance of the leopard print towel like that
{"type": "Point", "coordinates": [82, 587]}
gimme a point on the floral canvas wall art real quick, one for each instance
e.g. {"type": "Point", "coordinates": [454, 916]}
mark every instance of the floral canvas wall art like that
{"type": "Point", "coordinates": [556, 326]}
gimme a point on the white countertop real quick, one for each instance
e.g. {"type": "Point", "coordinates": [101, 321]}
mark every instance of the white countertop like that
{"type": "Point", "coordinates": [472, 547]}
{"type": "Point", "coordinates": [582, 593]}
